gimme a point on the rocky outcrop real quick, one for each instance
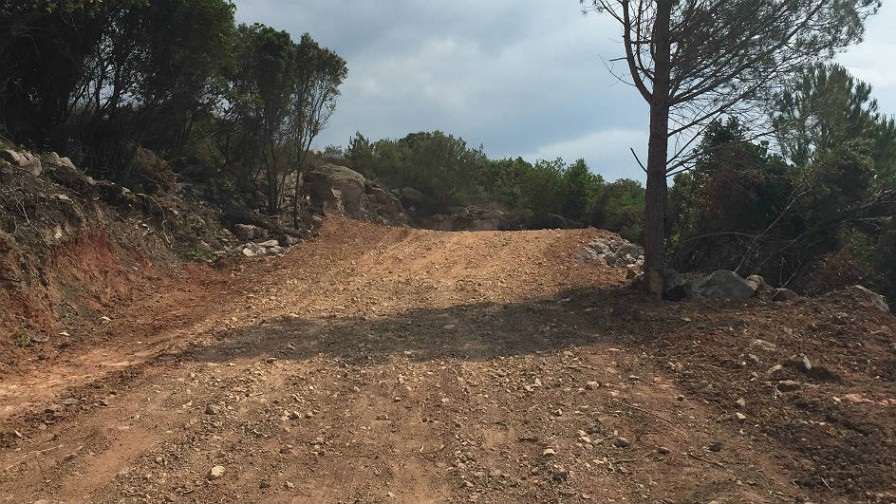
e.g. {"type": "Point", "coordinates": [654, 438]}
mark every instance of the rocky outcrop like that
{"type": "Point", "coordinates": [616, 252]}
{"type": "Point", "coordinates": [338, 189]}
{"type": "Point", "coordinates": [24, 160]}
{"type": "Point", "coordinates": [723, 285]}
{"type": "Point", "coordinates": [270, 247]}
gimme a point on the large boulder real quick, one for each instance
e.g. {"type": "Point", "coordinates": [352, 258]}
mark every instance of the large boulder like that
{"type": "Point", "coordinates": [723, 285]}
{"type": "Point", "coordinates": [24, 160]}
{"type": "Point", "coordinates": [339, 189]}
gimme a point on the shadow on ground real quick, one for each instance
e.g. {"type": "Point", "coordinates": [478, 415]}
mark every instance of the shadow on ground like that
{"type": "Point", "coordinates": [471, 332]}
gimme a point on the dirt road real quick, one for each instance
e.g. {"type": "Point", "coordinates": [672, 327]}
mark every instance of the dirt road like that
{"type": "Point", "coordinates": [395, 365]}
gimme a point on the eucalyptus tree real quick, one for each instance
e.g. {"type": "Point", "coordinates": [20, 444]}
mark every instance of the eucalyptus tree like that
{"type": "Point", "coordinates": [696, 60]}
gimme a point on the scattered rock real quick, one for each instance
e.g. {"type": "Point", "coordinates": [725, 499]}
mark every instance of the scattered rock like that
{"type": "Point", "coordinates": [621, 442]}
{"type": "Point", "coordinates": [289, 485]}
{"type": "Point", "coordinates": [740, 416]}
{"type": "Point", "coordinates": [801, 362]}
{"type": "Point", "coordinates": [662, 450]}
{"type": "Point", "coordinates": [548, 452]}
{"type": "Point", "coordinates": [741, 403]}
{"type": "Point", "coordinates": [876, 299]}
{"type": "Point", "coordinates": [764, 345]}
{"type": "Point", "coordinates": [559, 474]}
{"type": "Point", "coordinates": [616, 252]}
{"type": "Point", "coordinates": [716, 446]}
{"type": "Point", "coordinates": [211, 409]}
{"type": "Point", "coordinates": [788, 386]}
{"type": "Point", "coordinates": [216, 472]}
{"type": "Point", "coordinates": [774, 369]}
{"type": "Point", "coordinates": [248, 232]}
{"type": "Point", "coordinates": [592, 385]}
{"type": "Point", "coordinates": [723, 285]}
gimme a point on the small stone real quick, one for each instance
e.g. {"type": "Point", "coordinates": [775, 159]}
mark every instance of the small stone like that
{"type": "Point", "coordinates": [271, 360]}
{"type": "Point", "coordinates": [714, 447]}
{"type": "Point", "coordinates": [294, 415]}
{"type": "Point", "coordinates": [740, 416]}
{"type": "Point", "coordinates": [548, 452]}
{"type": "Point", "coordinates": [558, 412]}
{"type": "Point", "coordinates": [662, 450]}
{"type": "Point", "coordinates": [774, 369]}
{"type": "Point", "coordinates": [390, 495]}
{"type": "Point", "coordinates": [741, 403]}
{"type": "Point", "coordinates": [788, 386]}
{"type": "Point", "coordinates": [289, 485]}
{"type": "Point", "coordinates": [585, 439]}
{"type": "Point", "coordinates": [495, 473]}
{"type": "Point", "coordinates": [621, 442]}
{"type": "Point", "coordinates": [211, 409]}
{"type": "Point", "coordinates": [805, 364]}
{"type": "Point", "coordinates": [216, 472]}
{"type": "Point", "coordinates": [559, 474]}
{"type": "Point", "coordinates": [592, 385]}
{"type": "Point", "coordinates": [264, 484]}
{"type": "Point", "coordinates": [765, 345]}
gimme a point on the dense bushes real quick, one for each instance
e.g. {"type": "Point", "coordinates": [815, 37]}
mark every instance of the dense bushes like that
{"type": "Point", "coordinates": [444, 168]}
{"type": "Point", "coordinates": [819, 220]}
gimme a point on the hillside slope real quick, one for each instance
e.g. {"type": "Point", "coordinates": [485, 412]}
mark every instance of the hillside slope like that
{"type": "Point", "coordinates": [380, 364]}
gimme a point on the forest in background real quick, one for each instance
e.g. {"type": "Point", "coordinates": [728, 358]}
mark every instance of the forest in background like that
{"type": "Point", "coordinates": [811, 205]}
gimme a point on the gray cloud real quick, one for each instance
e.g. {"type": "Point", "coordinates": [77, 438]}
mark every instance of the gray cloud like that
{"type": "Point", "coordinates": [522, 77]}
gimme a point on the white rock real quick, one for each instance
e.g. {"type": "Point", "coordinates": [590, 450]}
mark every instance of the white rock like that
{"type": "Point", "coordinates": [217, 472]}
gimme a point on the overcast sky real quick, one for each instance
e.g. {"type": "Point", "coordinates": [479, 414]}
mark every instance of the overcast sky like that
{"type": "Point", "coordinates": [528, 78]}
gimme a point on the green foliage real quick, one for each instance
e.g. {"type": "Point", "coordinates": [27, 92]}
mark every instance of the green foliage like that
{"type": "Point", "coordinates": [619, 207]}
{"type": "Point", "coordinates": [22, 339]}
{"type": "Point", "coordinates": [825, 107]}
{"type": "Point", "coordinates": [736, 189]}
{"type": "Point", "coordinates": [501, 180]}
{"type": "Point", "coordinates": [542, 188]}
{"type": "Point", "coordinates": [441, 166]}
{"type": "Point", "coordinates": [580, 187]}
{"type": "Point", "coordinates": [95, 80]}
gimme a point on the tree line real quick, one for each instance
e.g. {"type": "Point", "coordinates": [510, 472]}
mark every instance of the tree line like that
{"type": "Point", "coordinates": [97, 80]}
{"type": "Point", "coordinates": [782, 163]}
{"type": "Point", "coordinates": [532, 195]}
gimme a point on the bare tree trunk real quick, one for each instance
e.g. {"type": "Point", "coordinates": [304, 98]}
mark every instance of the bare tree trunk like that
{"type": "Point", "coordinates": [657, 150]}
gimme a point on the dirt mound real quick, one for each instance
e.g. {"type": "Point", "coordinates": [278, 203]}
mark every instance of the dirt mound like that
{"type": "Point", "coordinates": [74, 249]}
{"type": "Point", "coordinates": [396, 365]}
